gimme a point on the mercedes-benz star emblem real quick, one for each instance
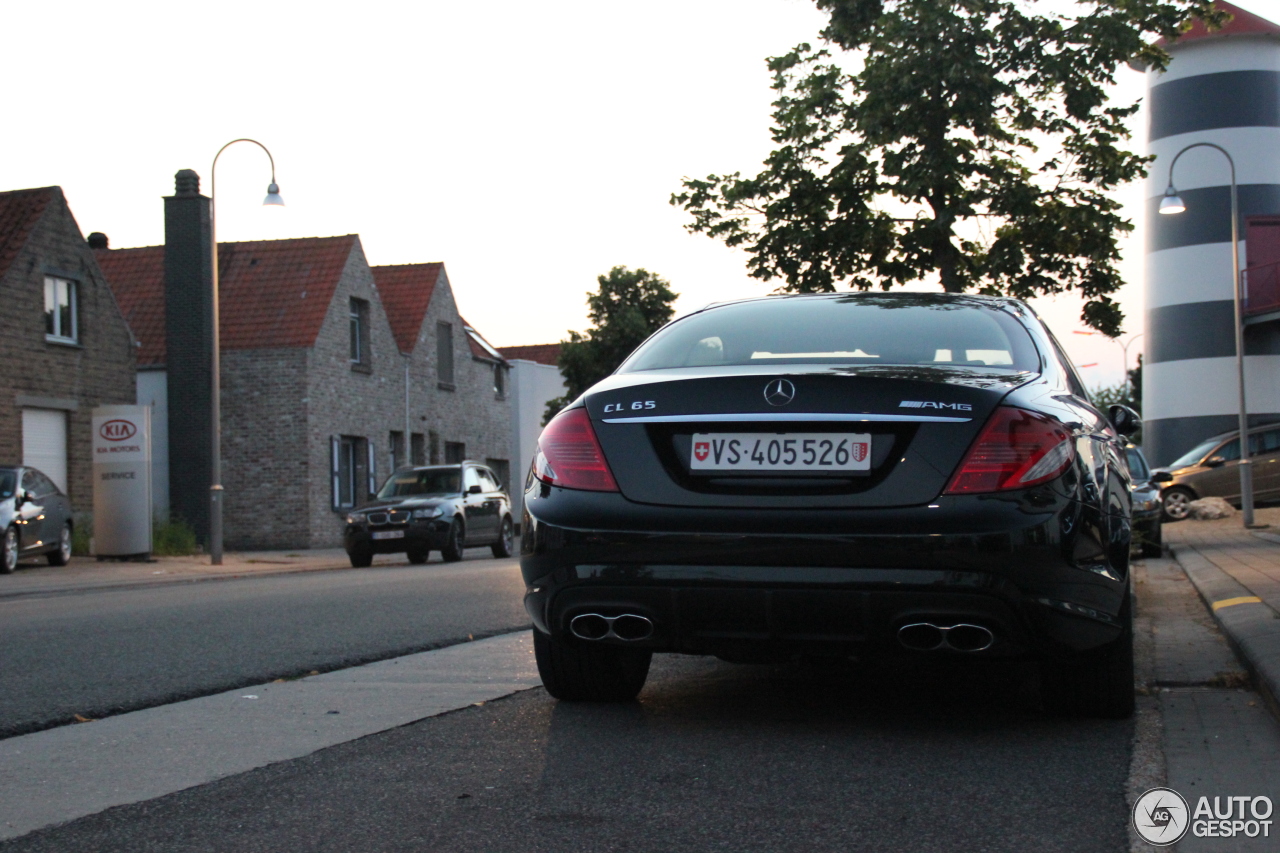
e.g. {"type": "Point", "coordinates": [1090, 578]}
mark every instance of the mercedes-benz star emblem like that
{"type": "Point", "coordinates": [779, 392]}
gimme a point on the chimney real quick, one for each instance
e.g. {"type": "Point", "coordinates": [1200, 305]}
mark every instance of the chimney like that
{"type": "Point", "coordinates": [98, 240]}
{"type": "Point", "coordinates": [188, 320]}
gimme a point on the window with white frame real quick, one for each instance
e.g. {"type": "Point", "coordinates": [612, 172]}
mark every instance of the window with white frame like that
{"type": "Point", "coordinates": [61, 320]}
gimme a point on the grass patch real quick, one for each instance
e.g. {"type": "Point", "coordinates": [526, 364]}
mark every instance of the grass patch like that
{"type": "Point", "coordinates": [81, 534]}
{"type": "Point", "coordinates": [173, 538]}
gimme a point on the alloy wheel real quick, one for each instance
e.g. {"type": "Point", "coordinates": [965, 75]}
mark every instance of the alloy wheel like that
{"type": "Point", "coordinates": [1177, 505]}
{"type": "Point", "coordinates": [10, 550]}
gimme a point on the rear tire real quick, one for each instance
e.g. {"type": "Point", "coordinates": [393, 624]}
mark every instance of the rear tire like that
{"type": "Point", "coordinates": [361, 558]}
{"type": "Point", "coordinates": [575, 672]}
{"type": "Point", "coordinates": [418, 556]}
{"type": "Point", "coordinates": [456, 543]}
{"type": "Point", "coordinates": [1099, 684]}
{"type": "Point", "coordinates": [62, 556]}
{"type": "Point", "coordinates": [1153, 541]}
{"type": "Point", "coordinates": [506, 540]}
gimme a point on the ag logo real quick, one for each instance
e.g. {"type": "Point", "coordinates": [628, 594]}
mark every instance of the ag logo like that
{"type": "Point", "coordinates": [1161, 817]}
{"type": "Point", "coordinates": [779, 392]}
{"type": "Point", "coordinates": [701, 450]}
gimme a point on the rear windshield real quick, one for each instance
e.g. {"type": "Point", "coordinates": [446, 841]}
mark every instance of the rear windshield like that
{"type": "Point", "coordinates": [845, 330]}
{"type": "Point", "coordinates": [1137, 465]}
{"type": "Point", "coordinates": [438, 481]}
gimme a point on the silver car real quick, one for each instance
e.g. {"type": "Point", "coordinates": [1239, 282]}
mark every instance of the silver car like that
{"type": "Point", "coordinates": [35, 517]}
{"type": "Point", "coordinates": [1212, 469]}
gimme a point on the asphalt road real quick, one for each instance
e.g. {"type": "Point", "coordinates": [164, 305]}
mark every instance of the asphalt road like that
{"type": "Point", "coordinates": [712, 757]}
{"type": "Point", "coordinates": [99, 652]}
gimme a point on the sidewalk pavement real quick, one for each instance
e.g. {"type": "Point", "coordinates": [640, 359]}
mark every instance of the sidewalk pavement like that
{"type": "Point", "coordinates": [1237, 573]}
{"type": "Point", "coordinates": [36, 577]}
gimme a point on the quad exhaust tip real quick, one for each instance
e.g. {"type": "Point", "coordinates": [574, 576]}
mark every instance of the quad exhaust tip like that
{"type": "Point", "coordinates": [628, 627]}
{"type": "Point", "coordinates": [961, 637]}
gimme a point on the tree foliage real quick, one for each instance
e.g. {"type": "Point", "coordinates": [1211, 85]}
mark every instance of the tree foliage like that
{"type": "Point", "coordinates": [972, 140]}
{"type": "Point", "coordinates": [629, 306]}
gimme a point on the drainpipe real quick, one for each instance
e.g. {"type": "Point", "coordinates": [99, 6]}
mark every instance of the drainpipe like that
{"type": "Point", "coordinates": [408, 443]}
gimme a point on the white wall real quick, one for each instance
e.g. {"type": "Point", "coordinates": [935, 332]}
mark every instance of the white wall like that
{"type": "Point", "coordinates": [532, 385]}
{"type": "Point", "coordinates": [153, 391]}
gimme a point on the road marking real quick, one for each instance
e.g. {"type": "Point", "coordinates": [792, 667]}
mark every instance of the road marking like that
{"type": "Point", "coordinates": [1232, 602]}
{"type": "Point", "coordinates": [59, 775]}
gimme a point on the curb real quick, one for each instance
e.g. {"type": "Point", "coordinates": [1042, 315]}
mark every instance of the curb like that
{"type": "Point", "coordinates": [1251, 626]}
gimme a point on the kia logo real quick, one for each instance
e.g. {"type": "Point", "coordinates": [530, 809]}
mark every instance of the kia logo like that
{"type": "Point", "coordinates": [117, 430]}
{"type": "Point", "coordinates": [779, 392]}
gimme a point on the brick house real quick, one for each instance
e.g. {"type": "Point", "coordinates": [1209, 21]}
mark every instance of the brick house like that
{"type": "Point", "coordinates": [458, 406]}
{"type": "Point", "coordinates": [65, 343]}
{"type": "Point", "coordinates": [315, 382]}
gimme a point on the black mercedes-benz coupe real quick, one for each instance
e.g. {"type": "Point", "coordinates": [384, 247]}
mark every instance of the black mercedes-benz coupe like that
{"type": "Point", "coordinates": [835, 475]}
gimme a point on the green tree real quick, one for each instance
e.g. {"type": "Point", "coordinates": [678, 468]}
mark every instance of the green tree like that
{"type": "Point", "coordinates": [629, 306]}
{"type": "Point", "coordinates": [971, 140]}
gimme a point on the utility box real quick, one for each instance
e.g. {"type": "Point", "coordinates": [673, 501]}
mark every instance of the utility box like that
{"type": "Point", "coordinates": [122, 481]}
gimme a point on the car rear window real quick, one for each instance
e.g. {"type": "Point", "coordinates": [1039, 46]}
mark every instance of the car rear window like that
{"type": "Point", "coordinates": [842, 330]}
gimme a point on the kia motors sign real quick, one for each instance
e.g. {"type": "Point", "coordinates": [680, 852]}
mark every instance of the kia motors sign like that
{"type": "Point", "coordinates": [122, 481]}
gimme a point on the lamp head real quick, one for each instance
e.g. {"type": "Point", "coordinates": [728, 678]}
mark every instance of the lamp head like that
{"type": "Point", "coordinates": [1171, 204]}
{"type": "Point", "coordinates": [273, 196]}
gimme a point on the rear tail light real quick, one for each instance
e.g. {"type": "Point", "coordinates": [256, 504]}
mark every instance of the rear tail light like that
{"type": "Point", "coordinates": [1016, 449]}
{"type": "Point", "coordinates": [569, 455]}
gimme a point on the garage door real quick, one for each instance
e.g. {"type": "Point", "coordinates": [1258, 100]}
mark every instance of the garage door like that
{"type": "Point", "coordinates": [44, 443]}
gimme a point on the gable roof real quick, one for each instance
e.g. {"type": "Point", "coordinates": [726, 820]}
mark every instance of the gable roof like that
{"type": "Point", "coordinates": [480, 348]}
{"type": "Point", "coordinates": [136, 277]}
{"type": "Point", "coordinates": [406, 291]}
{"type": "Point", "coordinates": [20, 210]}
{"type": "Point", "coordinates": [1242, 23]}
{"type": "Point", "coordinates": [272, 293]}
{"type": "Point", "coordinates": [541, 353]}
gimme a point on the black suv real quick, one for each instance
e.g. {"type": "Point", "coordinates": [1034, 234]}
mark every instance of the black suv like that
{"type": "Point", "coordinates": [443, 508]}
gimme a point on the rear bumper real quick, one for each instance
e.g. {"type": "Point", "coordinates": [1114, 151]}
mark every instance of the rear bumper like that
{"type": "Point", "coordinates": [1047, 575]}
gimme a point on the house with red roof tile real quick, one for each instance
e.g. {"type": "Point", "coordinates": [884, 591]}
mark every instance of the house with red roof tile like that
{"type": "Point", "coordinates": [66, 345]}
{"type": "Point", "coordinates": [333, 374]}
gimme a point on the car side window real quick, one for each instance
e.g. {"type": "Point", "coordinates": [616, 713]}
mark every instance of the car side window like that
{"type": "Point", "coordinates": [469, 479]}
{"type": "Point", "coordinates": [1229, 451]}
{"type": "Point", "coordinates": [1073, 379]}
{"type": "Point", "coordinates": [487, 481]}
{"type": "Point", "coordinates": [1267, 442]}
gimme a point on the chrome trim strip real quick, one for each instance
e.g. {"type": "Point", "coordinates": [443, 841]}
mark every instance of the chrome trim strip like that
{"type": "Point", "coordinates": [785, 417]}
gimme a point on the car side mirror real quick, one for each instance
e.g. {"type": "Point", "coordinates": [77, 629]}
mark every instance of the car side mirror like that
{"type": "Point", "coordinates": [475, 490]}
{"type": "Point", "coordinates": [1124, 419]}
{"type": "Point", "coordinates": [1215, 461]}
{"type": "Point", "coordinates": [1162, 477]}
{"type": "Point", "coordinates": [26, 498]}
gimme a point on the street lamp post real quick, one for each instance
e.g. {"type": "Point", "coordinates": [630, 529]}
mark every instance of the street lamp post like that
{"type": "Point", "coordinates": [1172, 204]}
{"type": "Point", "coordinates": [1124, 349]}
{"type": "Point", "coordinates": [215, 400]}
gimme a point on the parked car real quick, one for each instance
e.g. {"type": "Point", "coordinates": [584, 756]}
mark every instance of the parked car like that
{"type": "Point", "coordinates": [35, 516]}
{"type": "Point", "coordinates": [1212, 469]}
{"type": "Point", "coordinates": [835, 475]}
{"type": "Point", "coordinates": [1148, 512]}
{"type": "Point", "coordinates": [444, 508]}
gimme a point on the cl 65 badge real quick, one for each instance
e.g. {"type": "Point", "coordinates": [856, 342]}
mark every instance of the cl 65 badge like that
{"type": "Point", "coordinates": [636, 406]}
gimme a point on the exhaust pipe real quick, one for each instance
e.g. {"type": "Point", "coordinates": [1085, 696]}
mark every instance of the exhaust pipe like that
{"type": "Point", "coordinates": [628, 627]}
{"type": "Point", "coordinates": [963, 637]}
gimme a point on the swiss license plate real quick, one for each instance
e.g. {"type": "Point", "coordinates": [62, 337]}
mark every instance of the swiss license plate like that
{"type": "Point", "coordinates": [388, 534]}
{"type": "Point", "coordinates": [796, 451]}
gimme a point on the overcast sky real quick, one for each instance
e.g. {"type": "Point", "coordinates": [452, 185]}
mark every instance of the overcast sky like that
{"type": "Point", "coordinates": [529, 146]}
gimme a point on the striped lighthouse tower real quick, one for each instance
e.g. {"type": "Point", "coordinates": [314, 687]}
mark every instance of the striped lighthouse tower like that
{"type": "Point", "coordinates": [1221, 87]}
